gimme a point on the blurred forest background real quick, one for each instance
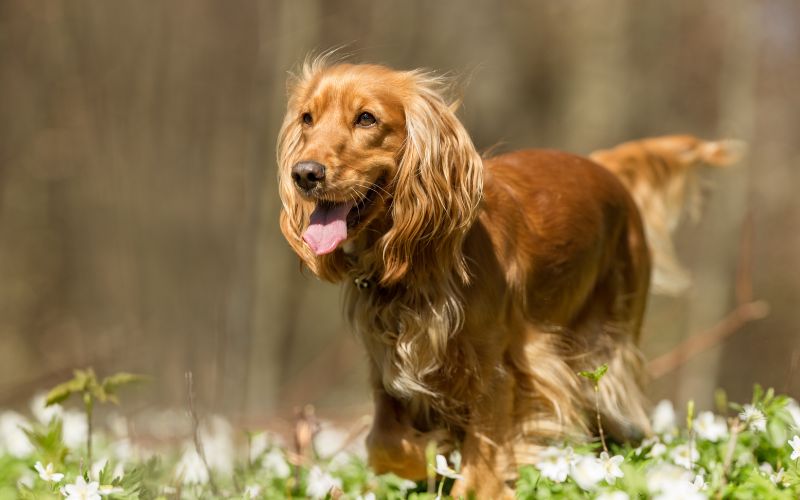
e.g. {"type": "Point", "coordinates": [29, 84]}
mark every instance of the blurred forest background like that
{"type": "Point", "coordinates": [138, 200]}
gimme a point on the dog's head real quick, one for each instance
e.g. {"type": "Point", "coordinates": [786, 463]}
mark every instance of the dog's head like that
{"type": "Point", "coordinates": [374, 160]}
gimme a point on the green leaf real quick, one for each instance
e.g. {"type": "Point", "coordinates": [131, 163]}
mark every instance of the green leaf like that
{"type": "Point", "coordinates": [758, 392]}
{"type": "Point", "coordinates": [113, 382]}
{"type": "Point", "coordinates": [26, 493]}
{"type": "Point", "coordinates": [47, 441]}
{"type": "Point", "coordinates": [62, 391]}
{"type": "Point", "coordinates": [595, 375]}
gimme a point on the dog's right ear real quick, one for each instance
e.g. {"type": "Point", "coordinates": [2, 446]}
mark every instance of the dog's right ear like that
{"type": "Point", "coordinates": [436, 190]}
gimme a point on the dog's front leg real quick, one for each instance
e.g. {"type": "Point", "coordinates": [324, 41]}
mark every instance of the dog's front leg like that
{"type": "Point", "coordinates": [394, 445]}
{"type": "Point", "coordinates": [487, 455]}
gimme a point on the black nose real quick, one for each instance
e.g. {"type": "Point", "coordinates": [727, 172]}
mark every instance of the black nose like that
{"type": "Point", "coordinates": [307, 174]}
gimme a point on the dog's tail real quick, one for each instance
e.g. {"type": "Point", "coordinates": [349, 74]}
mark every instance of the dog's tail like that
{"type": "Point", "coordinates": [661, 175]}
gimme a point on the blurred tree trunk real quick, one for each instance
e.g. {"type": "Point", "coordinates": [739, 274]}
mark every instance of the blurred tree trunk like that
{"type": "Point", "coordinates": [595, 83]}
{"type": "Point", "coordinates": [714, 279]}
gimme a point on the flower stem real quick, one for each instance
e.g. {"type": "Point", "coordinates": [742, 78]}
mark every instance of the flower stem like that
{"type": "Point", "coordinates": [597, 412]}
{"type": "Point", "coordinates": [736, 427]}
{"type": "Point", "coordinates": [88, 406]}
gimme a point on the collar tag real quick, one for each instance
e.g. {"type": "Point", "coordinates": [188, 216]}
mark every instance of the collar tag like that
{"type": "Point", "coordinates": [362, 283]}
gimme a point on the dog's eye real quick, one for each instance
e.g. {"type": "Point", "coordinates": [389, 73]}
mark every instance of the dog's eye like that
{"type": "Point", "coordinates": [307, 119]}
{"type": "Point", "coordinates": [365, 120]}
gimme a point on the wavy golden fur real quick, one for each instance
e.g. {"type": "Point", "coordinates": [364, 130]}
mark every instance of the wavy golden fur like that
{"type": "Point", "coordinates": [479, 287]}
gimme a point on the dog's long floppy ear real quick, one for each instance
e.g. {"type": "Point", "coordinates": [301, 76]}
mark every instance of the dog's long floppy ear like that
{"type": "Point", "coordinates": [437, 189]}
{"type": "Point", "coordinates": [295, 211]}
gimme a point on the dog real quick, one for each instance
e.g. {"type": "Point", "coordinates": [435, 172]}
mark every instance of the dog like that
{"type": "Point", "coordinates": [478, 286]}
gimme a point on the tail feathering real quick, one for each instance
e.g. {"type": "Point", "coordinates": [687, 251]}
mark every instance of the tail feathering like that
{"type": "Point", "coordinates": [661, 175]}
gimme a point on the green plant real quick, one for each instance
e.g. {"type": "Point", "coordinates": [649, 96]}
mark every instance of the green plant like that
{"type": "Point", "coordinates": [754, 453]}
{"type": "Point", "coordinates": [84, 384]}
{"type": "Point", "coordinates": [595, 377]}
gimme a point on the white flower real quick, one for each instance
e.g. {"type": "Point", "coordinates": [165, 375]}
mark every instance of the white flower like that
{"type": "Point", "coordinates": [444, 470]}
{"type": "Point", "coordinates": [710, 427]}
{"type": "Point", "coordinates": [611, 470]}
{"type": "Point", "coordinates": [123, 449]}
{"type": "Point", "coordinates": [680, 494]}
{"type": "Point", "coordinates": [119, 471]}
{"type": "Point", "coordinates": [663, 417]}
{"type": "Point", "coordinates": [12, 436]}
{"type": "Point", "coordinates": [795, 444]}
{"type": "Point", "coordinates": [320, 483]}
{"type": "Point", "coordinates": [745, 457]}
{"type": "Point", "coordinates": [455, 459]}
{"type": "Point", "coordinates": [26, 479]}
{"type": "Point", "coordinates": [587, 471]}
{"type": "Point", "coordinates": [217, 437]}
{"type": "Point", "coordinates": [657, 450]}
{"type": "Point", "coordinates": [339, 461]}
{"type": "Point", "coordinates": [81, 490]}
{"type": "Point", "coordinates": [684, 455]}
{"type": "Point", "coordinates": [329, 440]}
{"type": "Point", "coordinates": [259, 444]}
{"type": "Point", "coordinates": [43, 413]}
{"type": "Point", "coordinates": [554, 463]}
{"type": "Point", "coordinates": [48, 473]}
{"type": "Point", "coordinates": [191, 469]}
{"type": "Point", "coordinates": [252, 491]}
{"type": "Point", "coordinates": [109, 489]}
{"type": "Point", "coordinates": [73, 429]}
{"type": "Point", "coordinates": [276, 465]}
{"type": "Point", "coordinates": [664, 477]}
{"type": "Point", "coordinates": [118, 424]}
{"type": "Point", "coordinates": [794, 410]}
{"type": "Point", "coordinates": [367, 496]}
{"type": "Point", "coordinates": [776, 477]}
{"type": "Point", "coordinates": [612, 495]}
{"type": "Point", "coordinates": [646, 443]}
{"type": "Point", "coordinates": [699, 483]}
{"type": "Point", "coordinates": [406, 485]}
{"type": "Point", "coordinates": [97, 468]}
{"type": "Point", "coordinates": [753, 418]}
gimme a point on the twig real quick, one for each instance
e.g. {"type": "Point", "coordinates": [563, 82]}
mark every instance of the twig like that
{"type": "Point", "coordinates": [198, 444]}
{"type": "Point", "coordinates": [746, 310]}
{"type": "Point", "coordinates": [744, 265]}
{"type": "Point", "coordinates": [740, 316]}
{"type": "Point", "coordinates": [690, 427]}
{"type": "Point", "coordinates": [305, 427]}
{"type": "Point", "coordinates": [88, 405]}
{"type": "Point", "coordinates": [353, 434]}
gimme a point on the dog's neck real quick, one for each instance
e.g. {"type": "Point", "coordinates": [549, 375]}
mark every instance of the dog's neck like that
{"type": "Point", "coordinates": [408, 328]}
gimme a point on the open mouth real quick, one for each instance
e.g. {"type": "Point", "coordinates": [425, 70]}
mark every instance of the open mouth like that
{"type": "Point", "coordinates": [331, 221]}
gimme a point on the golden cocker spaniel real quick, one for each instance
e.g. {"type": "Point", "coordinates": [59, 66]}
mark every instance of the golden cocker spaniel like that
{"type": "Point", "coordinates": [479, 287]}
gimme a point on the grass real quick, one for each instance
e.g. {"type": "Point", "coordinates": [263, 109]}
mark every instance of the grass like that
{"type": "Point", "coordinates": [745, 452]}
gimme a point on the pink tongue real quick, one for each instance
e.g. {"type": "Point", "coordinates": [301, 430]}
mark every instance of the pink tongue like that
{"type": "Point", "coordinates": [327, 228]}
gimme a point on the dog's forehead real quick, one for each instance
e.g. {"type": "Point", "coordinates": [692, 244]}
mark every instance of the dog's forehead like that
{"type": "Point", "coordinates": [359, 86]}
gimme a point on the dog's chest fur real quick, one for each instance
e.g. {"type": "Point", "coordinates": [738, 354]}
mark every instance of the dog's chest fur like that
{"type": "Point", "coordinates": [412, 344]}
